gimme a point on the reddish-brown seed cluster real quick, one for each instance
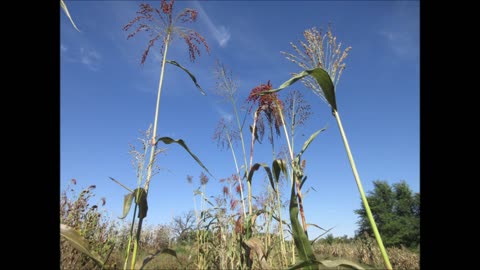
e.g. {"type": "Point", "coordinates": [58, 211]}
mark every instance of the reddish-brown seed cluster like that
{"type": "Point", "coordinates": [304, 163]}
{"type": "Point", "coordinates": [189, 179]}
{"type": "Point", "coordinates": [224, 134]}
{"type": "Point", "coordinates": [239, 229]}
{"type": "Point", "coordinates": [167, 7]}
{"type": "Point", "coordinates": [233, 204]}
{"type": "Point", "coordinates": [193, 38]}
{"type": "Point", "coordinates": [146, 22]}
{"type": "Point", "coordinates": [269, 104]}
{"type": "Point", "coordinates": [225, 190]}
{"type": "Point", "coordinates": [238, 188]}
{"type": "Point", "coordinates": [188, 15]}
{"type": "Point", "coordinates": [203, 178]}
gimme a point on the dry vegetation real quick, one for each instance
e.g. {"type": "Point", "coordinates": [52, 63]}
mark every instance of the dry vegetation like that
{"type": "Point", "coordinates": [219, 247]}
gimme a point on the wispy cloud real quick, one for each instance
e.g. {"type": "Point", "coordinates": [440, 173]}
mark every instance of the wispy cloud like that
{"type": "Point", "coordinates": [90, 58]}
{"type": "Point", "coordinates": [401, 43]}
{"type": "Point", "coordinates": [402, 36]}
{"type": "Point", "coordinates": [227, 116]}
{"type": "Point", "coordinates": [86, 56]}
{"type": "Point", "coordinates": [219, 32]}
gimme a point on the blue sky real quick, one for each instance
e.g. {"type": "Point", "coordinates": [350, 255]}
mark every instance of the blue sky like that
{"type": "Point", "coordinates": [107, 97]}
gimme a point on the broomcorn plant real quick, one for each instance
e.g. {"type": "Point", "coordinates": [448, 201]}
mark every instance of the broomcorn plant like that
{"type": "Point", "coordinates": [322, 51]}
{"type": "Point", "coordinates": [161, 24]}
{"type": "Point", "coordinates": [227, 88]}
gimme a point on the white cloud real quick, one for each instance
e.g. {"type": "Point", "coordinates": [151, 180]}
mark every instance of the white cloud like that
{"type": "Point", "coordinates": [401, 43]}
{"type": "Point", "coordinates": [401, 29]}
{"type": "Point", "coordinates": [63, 48]}
{"type": "Point", "coordinates": [90, 58]}
{"type": "Point", "coordinates": [227, 116]}
{"type": "Point", "coordinates": [221, 33]}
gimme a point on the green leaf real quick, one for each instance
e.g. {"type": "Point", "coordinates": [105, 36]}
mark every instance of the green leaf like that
{"type": "Point", "coordinates": [307, 142]}
{"type": "Point", "coordinates": [212, 221]}
{"type": "Point", "coordinates": [122, 185]}
{"type": "Point", "coordinates": [318, 237]}
{"type": "Point", "coordinates": [141, 201]}
{"type": "Point", "coordinates": [267, 169]}
{"type": "Point", "coordinates": [323, 79]}
{"type": "Point", "coordinates": [303, 182]}
{"type": "Point", "coordinates": [168, 140]}
{"type": "Point", "coordinates": [140, 196]}
{"type": "Point", "coordinates": [127, 203]}
{"type": "Point", "coordinates": [326, 84]}
{"type": "Point", "coordinates": [315, 225]}
{"type": "Point", "coordinates": [141, 264]}
{"type": "Point", "coordinates": [302, 264]}
{"type": "Point", "coordinates": [65, 9]}
{"type": "Point", "coordinates": [207, 201]}
{"type": "Point", "coordinates": [327, 263]}
{"type": "Point", "coordinates": [337, 263]}
{"type": "Point", "coordinates": [300, 238]}
{"type": "Point", "coordinates": [250, 222]}
{"type": "Point", "coordinates": [189, 74]}
{"type": "Point", "coordinates": [279, 165]}
{"type": "Point", "coordinates": [78, 242]}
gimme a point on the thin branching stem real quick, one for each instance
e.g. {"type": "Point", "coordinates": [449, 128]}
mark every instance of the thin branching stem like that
{"type": "Point", "coordinates": [238, 173]}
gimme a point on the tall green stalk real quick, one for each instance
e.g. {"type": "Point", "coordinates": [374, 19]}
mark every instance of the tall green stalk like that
{"type": "Point", "coordinates": [362, 193]}
{"type": "Point", "coordinates": [155, 122]}
{"type": "Point", "coordinates": [152, 150]}
{"type": "Point", "coordinates": [325, 65]}
{"type": "Point", "coordinates": [160, 25]}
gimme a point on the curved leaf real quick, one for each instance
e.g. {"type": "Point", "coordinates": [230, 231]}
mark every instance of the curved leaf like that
{"type": "Point", "coordinates": [141, 201]}
{"type": "Point", "coordinates": [323, 79]}
{"type": "Point", "coordinates": [315, 225]}
{"type": "Point", "coordinates": [337, 263]}
{"type": "Point", "coordinates": [256, 245]}
{"type": "Point", "coordinates": [65, 9]}
{"type": "Point", "coordinates": [302, 264]}
{"type": "Point", "coordinates": [78, 242]}
{"type": "Point", "coordinates": [168, 140]}
{"type": "Point", "coordinates": [318, 237]}
{"type": "Point", "coordinates": [127, 203]}
{"type": "Point", "coordinates": [212, 221]}
{"type": "Point", "coordinates": [141, 264]}
{"type": "Point", "coordinates": [307, 142]}
{"type": "Point", "coordinates": [300, 238]}
{"type": "Point", "coordinates": [267, 169]}
{"type": "Point", "coordinates": [189, 74]}
{"type": "Point", "coordinates": [140, 196]}
{"type": "Point", "coordinates": [303, 182]}
{"type": "Point", "coordinates": [279, 165]}
{"type": "Point", "coordinates": [250, 224]}
{"type": "Point", "coordinates": [327, 263]}
{"type": "Point", "coordinates": [325, 82]}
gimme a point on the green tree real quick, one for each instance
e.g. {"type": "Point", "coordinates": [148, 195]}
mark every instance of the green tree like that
{"type": "Point", "coordinates": [396, 210]}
